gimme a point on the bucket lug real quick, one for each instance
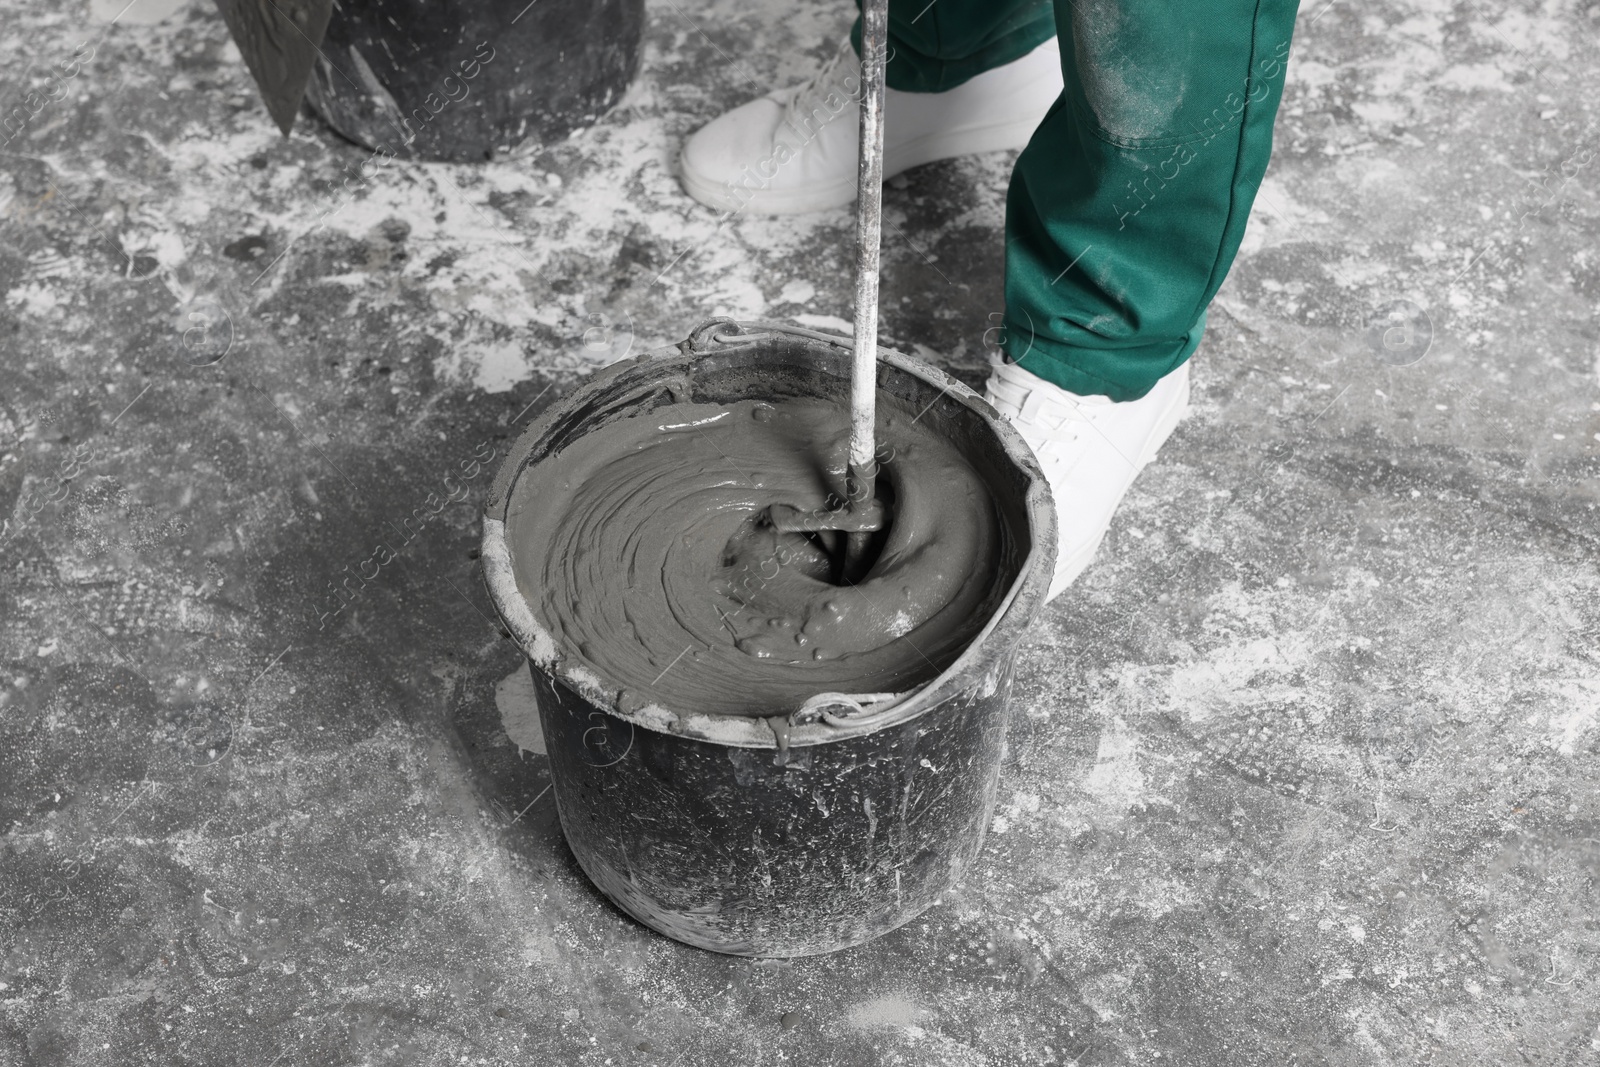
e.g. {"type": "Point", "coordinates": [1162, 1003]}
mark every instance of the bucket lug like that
{"type": "Point", "coordinates": [717, 333]}
{"type": "Point", "coordinates": [837, 709]}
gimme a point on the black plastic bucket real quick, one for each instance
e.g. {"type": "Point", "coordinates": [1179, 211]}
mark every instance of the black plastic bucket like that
{"type": "Point", "coordinates": [703, 827]}
{"type": "Point", "coordinates": [466, 80]}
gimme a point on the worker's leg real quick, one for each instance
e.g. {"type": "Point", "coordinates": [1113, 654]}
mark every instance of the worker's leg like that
{"type": "Point", "coordinates": [935, 45]}
{"type": "Point", "coordinates": [1128, 205]}
{"type": "Point", "coordinates": [1124, 213]}
{"type": "Point", "coordinates": [964, 76]}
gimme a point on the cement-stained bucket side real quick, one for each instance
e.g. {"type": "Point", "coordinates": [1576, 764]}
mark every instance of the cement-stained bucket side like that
{"type": "Point", "coordinates": [704, 827]}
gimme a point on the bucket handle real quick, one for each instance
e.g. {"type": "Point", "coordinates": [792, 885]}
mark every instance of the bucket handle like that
{"type": "Point", "coordinates": [841, 709]}
{"type": "Point", "coordinates": [710, 333]}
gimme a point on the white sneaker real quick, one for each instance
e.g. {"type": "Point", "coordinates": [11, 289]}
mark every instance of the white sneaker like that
{"type": "Point", "coordinates": [1090, 448]}
{"type": "Point", "coordinates": [795, 150]}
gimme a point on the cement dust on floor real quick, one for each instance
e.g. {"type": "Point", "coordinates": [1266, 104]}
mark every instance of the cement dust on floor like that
{"type": "Point", "coordinates": [1302, 770]}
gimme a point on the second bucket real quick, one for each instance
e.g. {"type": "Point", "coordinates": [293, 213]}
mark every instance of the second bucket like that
{"type": "Point", "coordinates": [464, 81]}
{"type": "Point", "coordinates": [701, 826]}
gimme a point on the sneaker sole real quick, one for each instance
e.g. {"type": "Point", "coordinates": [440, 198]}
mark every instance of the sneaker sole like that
{"type": "Point", "coordinates": [946, 144]}
{"type": "Point", "coordinates": [1079, 561]}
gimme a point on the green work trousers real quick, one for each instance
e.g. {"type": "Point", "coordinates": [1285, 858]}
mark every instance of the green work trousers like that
{"type": "Point", "coordinates": [1127, 207]}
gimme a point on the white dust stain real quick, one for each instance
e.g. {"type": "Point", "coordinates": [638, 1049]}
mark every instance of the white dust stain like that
{"type": "Point", "coordinates": [165, 247]}
{"type": "Point", "coordinates": [1580, 713]}
{"type": "Point", "coordinates": [1116, 779]}
{"type": "Point", "coordinates": [827, 323]}
{"type": "Point", "coordinates": [34, 299]}
{"type": "Point", "coordinates": [498, 367]}
{"type": "Point", "coordinates": [892, 1010]}
{"type": "Point", "coordinates": [1358, 272]}
{"type": "Point", "coordinates": [136, 13]}
{"type": "Point", "coordinates": [1238, 675]}
{"type": "Point", "coordinates": [1022, 806]}
{"type": "Point", "coordinates": [1276, 218]}
{"type": "Point", "coordinates": [519, 711]}
{"type": "Point", "coordinates": [1529, 33]}
{"type": "Point", "coordinates": [1380, 112]}
{"type": "Point", "coordinates": [739, 298]}
{"type": "Point", "coordinates": [1474, 77]}
{"type": "Point", "coordinates": [491, 241]}
{"type": "Point", "coordinates": [797, 291]}
{"type": "Point", "coordinates": [1309, 74]}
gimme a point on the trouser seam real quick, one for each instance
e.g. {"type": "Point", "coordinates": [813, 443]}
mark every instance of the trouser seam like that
{"type": "Point", "coordinates": [1238, 162]}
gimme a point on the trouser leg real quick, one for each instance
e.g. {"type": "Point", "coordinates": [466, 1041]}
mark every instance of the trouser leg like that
{"type": "Point", "coordinates": [937, 45]}
{"type": "Point", "coordinates": [1127, 207]}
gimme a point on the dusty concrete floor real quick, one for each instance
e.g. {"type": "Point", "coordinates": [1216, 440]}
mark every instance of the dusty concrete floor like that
{"type": "Point", "coordinates": [1304, 770]}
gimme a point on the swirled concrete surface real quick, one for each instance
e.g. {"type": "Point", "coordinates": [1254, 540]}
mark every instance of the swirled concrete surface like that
{"type": "Point", "coordinates": [645, 548]}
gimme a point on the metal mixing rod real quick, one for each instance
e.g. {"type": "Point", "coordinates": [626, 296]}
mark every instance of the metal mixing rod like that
{"type": "Point", "coordinates": [861, 512]}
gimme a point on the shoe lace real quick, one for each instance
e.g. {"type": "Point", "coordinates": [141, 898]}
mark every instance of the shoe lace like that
{"type": "Point", "coordinates": [1057, 436]}
{"type": "Point", "coordinates": [812, 96]}
{"type": "Point", "coordinates": [1053, 427]}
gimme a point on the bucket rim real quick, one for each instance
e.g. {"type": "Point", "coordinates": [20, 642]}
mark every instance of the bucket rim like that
{"type": "Point", "coordinates": [826, 717]}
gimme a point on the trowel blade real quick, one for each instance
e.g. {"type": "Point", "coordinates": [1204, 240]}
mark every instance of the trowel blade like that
{"type": "Point", "coordinates": [280, 40]}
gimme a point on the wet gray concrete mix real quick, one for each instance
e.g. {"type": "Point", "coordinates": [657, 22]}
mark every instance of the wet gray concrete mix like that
{"type": "Point", "coordinates": [1302, 769]}
{"type": "Point", "coordinates": [647, 549]}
